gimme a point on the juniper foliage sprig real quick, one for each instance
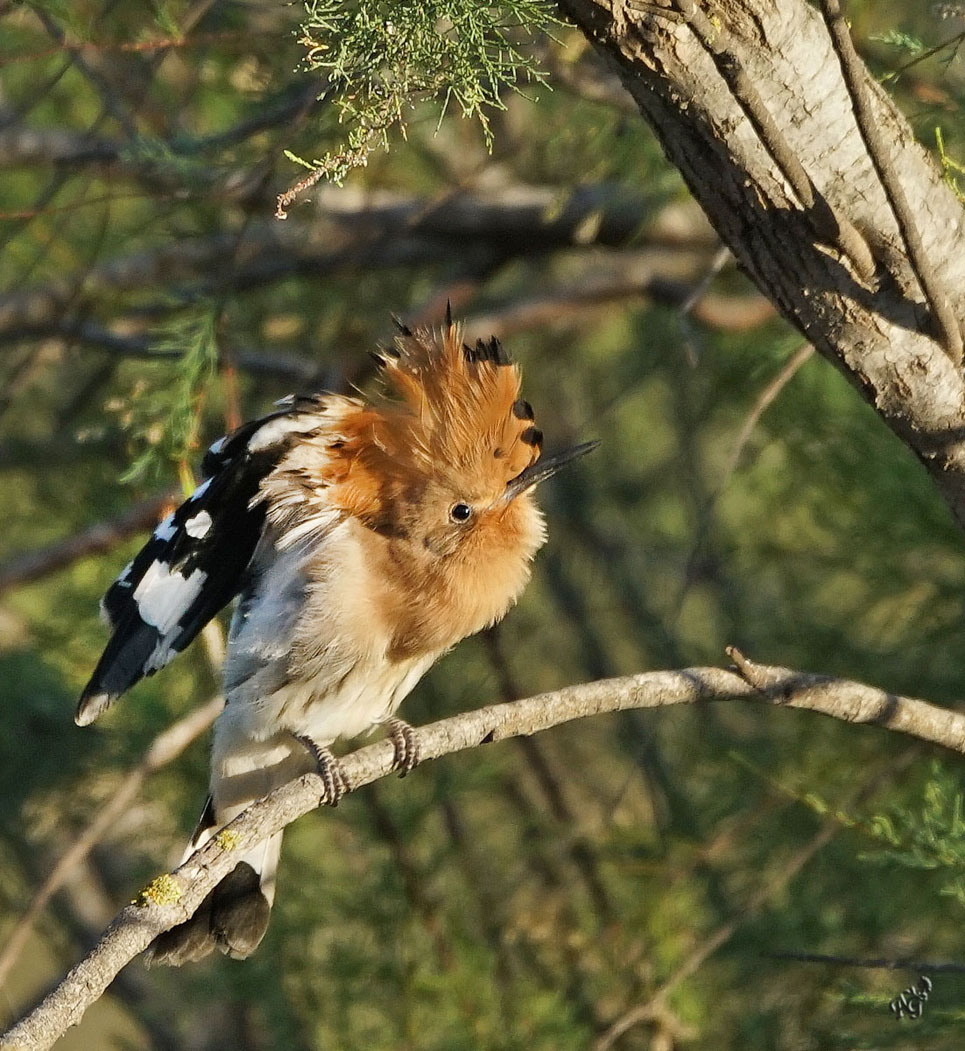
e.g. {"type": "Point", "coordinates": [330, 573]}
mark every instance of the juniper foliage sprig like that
{"type": "Point", "coordinates": [930, 836]}
{"type": "Point", "coordinates": [165, 412]}
{"type": "Point", "coordinates": [382, 59]}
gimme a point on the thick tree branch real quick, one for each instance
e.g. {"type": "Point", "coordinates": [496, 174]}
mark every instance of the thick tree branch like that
{"type": "Point", "coordinates": [829, 227]}
{"type": "Point", "coordinates": [882, 338]}
{"type": "Point", "coordinates": [171, 899]}
{"type": "Point", "coordinates": [879, 151]}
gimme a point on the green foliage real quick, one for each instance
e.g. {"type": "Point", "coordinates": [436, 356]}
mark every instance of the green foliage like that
{"type": "Point", "coordinates": [382, 59]}
{"type": "Point", "coordinates": [904, 43]}
{"type": "Point", "coordinates": [951, 168]}
{"type": "Point", "coordinates": [927, 834]}
{"type": "Point", "coordinates": [163, 415]}
{"type": "Point", "coordinates": [929, 837]}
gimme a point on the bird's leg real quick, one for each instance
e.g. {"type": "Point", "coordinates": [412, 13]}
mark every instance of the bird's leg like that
{"type": "Point", "coordinates": [406, 747]}
{"type": "Point", "coordinates": [329, 769]}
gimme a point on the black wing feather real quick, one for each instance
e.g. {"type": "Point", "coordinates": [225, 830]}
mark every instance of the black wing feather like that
{"type": "Point", "coordinates": [195, 562]}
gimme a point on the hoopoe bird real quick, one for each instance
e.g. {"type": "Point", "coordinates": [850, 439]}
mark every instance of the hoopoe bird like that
{"type": "Point", "coordinates": [362, 540]}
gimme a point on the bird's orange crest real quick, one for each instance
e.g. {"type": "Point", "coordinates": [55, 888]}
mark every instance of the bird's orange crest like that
{"type": "Point", "coordinates": [464, 405]}
{"type": "Point", "coordinates": [457, 416]}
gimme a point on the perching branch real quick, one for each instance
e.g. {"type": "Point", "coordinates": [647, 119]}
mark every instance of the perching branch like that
{"type": "Point", "coordinates": [171, 899]}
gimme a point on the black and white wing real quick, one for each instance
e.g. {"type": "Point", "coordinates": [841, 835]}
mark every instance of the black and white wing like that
{"type": "Point", "coordinates": [195, 561]}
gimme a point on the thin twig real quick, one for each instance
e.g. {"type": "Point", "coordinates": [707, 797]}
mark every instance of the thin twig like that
{"type": "Point", "coordinates": [763, 400]}
{"type": "Point", "coordinates": [94, 540]}
{"type": "Point", "coordinates": [413, 878]}
{"type": "Point", "coordinates": [880, 151]}
{"type": "Point", "coordinates": [884, 964]}
{"type": "Point", "coordinates": [287, 199]}
{"type": "Point", "coordinates": [581, 852]}
{"type": "Point", "coordinates": [922, 56]}
{"type": "Point", "coordinates": [489, 906]}
{"type": "Point", "coordinates": [646, 1011]}
{"type": "Point", "coordinates": [107, 47]}
{"type": "Point", "coordinates": [171, 899]}
{"type": "Point", "coordinates": [597, 288]}
{"type": "Point", "coordinates": [831, 227]}
{"type": "Point", "coordinates": [785, 374]}
{"type": "Point", "coordinates": [278, 365]}
{"type": "Point", "coordinates": [106, 91]}
{"type": "Point", "coordinates": [721, 257]}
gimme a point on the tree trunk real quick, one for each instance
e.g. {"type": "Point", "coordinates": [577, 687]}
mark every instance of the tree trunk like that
{"type": "Point", "coordinates": [880, 332]}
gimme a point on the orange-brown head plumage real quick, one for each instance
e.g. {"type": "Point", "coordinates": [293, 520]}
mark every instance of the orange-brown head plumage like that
{"type": "Point", "coordinates": [427, 468]}
{"type": "Point", "coordinates": [456, 420]}
{"type": "Point", "coordinates": [434, 478]}
{"type": "Point", "coordinates": [462, 404]}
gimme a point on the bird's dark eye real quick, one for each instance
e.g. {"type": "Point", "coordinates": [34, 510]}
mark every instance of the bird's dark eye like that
{"type": "Point", "coordinates": [460, 512]}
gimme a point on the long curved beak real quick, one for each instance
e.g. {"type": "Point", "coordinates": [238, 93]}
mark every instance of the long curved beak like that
{"type": "Point", "coordinates": [544, 468]}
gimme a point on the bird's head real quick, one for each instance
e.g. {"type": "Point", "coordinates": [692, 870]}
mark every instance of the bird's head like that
{"type": "Point", "coordinates": [447, 464]}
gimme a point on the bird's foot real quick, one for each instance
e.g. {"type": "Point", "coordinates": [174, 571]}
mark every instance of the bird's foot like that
{"type": "Point", "coordinates": [405, 745]}
{"type": "Point", "coordinates": [329, 770]}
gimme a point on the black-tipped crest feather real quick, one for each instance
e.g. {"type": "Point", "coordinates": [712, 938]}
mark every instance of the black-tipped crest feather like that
{"type": "Point", "coordinates": [403, 328]}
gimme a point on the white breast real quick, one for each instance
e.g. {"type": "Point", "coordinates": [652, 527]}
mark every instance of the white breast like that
{"type": "Point", "coordinates": [364, 698]}
{"type": "Point", "coordinates": [307, 656]}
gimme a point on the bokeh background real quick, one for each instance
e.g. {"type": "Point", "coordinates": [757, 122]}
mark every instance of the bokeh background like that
{"type": "Point", "coordinates": [620, 882]}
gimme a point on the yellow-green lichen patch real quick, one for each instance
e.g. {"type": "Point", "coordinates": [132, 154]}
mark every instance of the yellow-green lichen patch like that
{"type": "Point", "coordinates": [227, 839]}
{"type": "Point", "coordinates": [165, 890]}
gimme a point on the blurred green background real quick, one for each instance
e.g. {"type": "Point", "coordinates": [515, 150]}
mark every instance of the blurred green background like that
{"type": "Point", "coordinates": [634, 869]}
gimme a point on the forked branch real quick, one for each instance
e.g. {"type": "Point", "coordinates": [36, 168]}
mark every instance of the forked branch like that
{"type": "Point", "coordinates": [171, 899]}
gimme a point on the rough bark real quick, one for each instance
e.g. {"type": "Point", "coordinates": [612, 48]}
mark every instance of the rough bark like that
{"type": "Point", "coordinates": [880, 334]}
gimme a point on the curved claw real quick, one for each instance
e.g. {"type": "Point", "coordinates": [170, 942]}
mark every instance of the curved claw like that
{"type": "Point", "coordinates": [329, 770]}
{"type": "Point", "coordinates": [405, 745]}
